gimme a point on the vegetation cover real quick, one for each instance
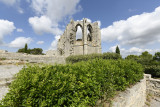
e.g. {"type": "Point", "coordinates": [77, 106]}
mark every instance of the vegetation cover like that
{"type": "Point", "coordinates": [72, 85]}
{"type": "Point", "coordinates": [150, 63]}
{"type": "Point", "coordinates": [34, 51]}
{"type": "Point", "coordinates": [78, 58]}
{"type": "Point", "coordinates": [153, 69]}
{"type": "Point", "coordinates": [117, 50]}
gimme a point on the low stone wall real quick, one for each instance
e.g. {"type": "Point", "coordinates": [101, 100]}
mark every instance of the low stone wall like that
{"type": "Point", "coordinates": [33, 58]}
{"type": "Point", "coordinates": [132, 97]}
{"type": "Point", "coordinates": [153, 86]}
{"type": "Point", "coordinates": [136, 95]}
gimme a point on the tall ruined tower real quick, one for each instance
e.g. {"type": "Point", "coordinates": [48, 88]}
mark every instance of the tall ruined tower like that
{"type": "Point", "coordinates": [88, 44]}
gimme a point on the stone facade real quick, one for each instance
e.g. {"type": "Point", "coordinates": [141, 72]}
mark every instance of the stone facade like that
{"type": "Point", "coordinates": [33, 58]}
{"type": "Point", "coordinates": [51, 52]}
{"type": "Point", "coordinates": [88, 44]}
{"type": "Point", "coordinates": [3, 51]}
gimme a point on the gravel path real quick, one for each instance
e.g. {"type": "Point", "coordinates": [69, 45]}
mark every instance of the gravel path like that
{"type": "Point", "coordinates": [7, 71]}
{"type": "Point", "coordinates": [6, 74]}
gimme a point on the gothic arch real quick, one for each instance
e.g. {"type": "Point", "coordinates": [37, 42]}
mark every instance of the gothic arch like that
{"type": "Point", "coordinates": [89, 33]}
{"type": "Point", "coordinates": [81, 32]}
{"type": "Point", "coordinates": [90, 40]}
{"type": "Point", "coordinates": [78, 25]}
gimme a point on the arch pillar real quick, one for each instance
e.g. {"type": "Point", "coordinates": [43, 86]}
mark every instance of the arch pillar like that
{"type": "Point", "coordinates": [85, 45]}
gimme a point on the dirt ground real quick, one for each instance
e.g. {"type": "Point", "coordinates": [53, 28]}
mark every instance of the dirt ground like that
{"type": "Point", "coordinates": [7, 72]}
{"type": "Point", "coordinates": [155, 102]}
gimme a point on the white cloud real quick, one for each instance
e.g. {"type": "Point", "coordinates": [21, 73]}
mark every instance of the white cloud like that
{"type": "Point", "coordinates": [28, 1]}
{"type": "Point", "coordinates": [20, 10]}
{"type": "Point", "coordinates": [54, 43]}
{"type": "Point", "coordinates": [40, 42]}
{"type": "Point", "coordinates": [89, 20]}
{"type": "Point", "coordinates": [133, 51]}
{"type": "Point", "coordinates": [43, 24]}
{"type": "Point", "coordinates": [113, 48]}
{"type": "Point", "coordinates": [6, 28]}
{"type": "Point", "coordinates": [138, 30]}
{"type": "Point", "coordinates": [50, 13]}
{"type": "Point", "coordinates": [19, 30]}
{"type": "Point", "coordinates": [56, 10]}
{"type": "Point", "coordinates": [19, 42]}
{"type": "Point", "coordinates": [99, 23]}
{"type": "Point", "coordinates": [132, 10]}
{"type": "Point", "coordinates": [9, 2]}
{"type": "Point", "coordinates": [13, 3]}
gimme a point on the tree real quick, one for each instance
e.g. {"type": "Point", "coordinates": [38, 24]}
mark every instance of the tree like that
{"type": "Point", "coordinates": [146, 58]}
{"type": "Point", "coordinates": [146, 55]}
{"type": "Point", "coordinates": [35, 51]}
{"type": "Point", "coordinates": [157, 56]}
{"type": "Point", "coordinates": [21, 50]}
{"type": "Point", "coordinates": [117, 50]}
{"type": "Point", "coordinates": [132, 57]}
{"type": "Point", "coordinates": [25, 48]}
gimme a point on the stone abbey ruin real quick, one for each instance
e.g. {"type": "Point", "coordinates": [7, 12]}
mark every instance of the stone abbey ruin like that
{"type": "Point", "coordinates": [89, 43]}
{"type": "Point", "coordinates": [68, 44]}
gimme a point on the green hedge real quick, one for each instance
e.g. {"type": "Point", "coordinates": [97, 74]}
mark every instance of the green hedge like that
{"type": "Point", "coordinates": [154, 70]}
{"type": "Point", "coordinates": [78, 58]}
{"type": "Point", "coordinates": [72, 85]}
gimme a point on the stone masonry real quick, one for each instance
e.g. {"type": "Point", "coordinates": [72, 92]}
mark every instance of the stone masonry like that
{"type": "Point", "coordinates": [33, 58]}
{"type": "Point", "coordinates": [136, 95]}
{"type": "Point", "coordinates": [90, 42]}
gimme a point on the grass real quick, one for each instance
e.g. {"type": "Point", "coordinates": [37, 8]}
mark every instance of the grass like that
{"type": "Point", "coordinates": [148, 99]}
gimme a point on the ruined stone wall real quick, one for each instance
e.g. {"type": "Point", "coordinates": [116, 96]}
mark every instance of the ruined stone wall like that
{"type": "Point", "coordinates": [136, 95]}
{"type": "Point", "coordinates": [51, 52]}
{"type": "Point", "coordinates": [90, 42]}
{"type": "Point", "coordinates": [34, 58]}
{"type": "Point", "coordinates": [132, 97]}
{"type": "Point", "coordinates": [3, 51]}
{"type": "Point", "coordinates": [153, 86]}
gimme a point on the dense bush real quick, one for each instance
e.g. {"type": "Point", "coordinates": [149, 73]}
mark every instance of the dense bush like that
{"type": "Point", "coordinates": [150, 63]}
{"type": "Point", "coordinates": [157, 56]}
{"type": "Point", "coordinates": [34, 51]}
{"type": "Point", "coordinates": [78, 58]}
{"type": "Point", "coordinates": [79, 84]}
{"type": "Point", "coordinates": [154, 70]}
{"type": "Point", "coordinates": [132, 57]}
{"type": "Point", "coordinates": [110, 55]}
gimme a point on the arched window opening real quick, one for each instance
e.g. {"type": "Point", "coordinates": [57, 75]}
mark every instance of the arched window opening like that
{"type": "Point", "coordinates": [89, 33]}
{"type": "Point", "coordinates": [61, 52]}
{"type": "Point", "coordinates": [79, 33]}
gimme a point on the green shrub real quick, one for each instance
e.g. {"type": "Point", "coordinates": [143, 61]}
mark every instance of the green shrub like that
{"type": "Point", "coordinates": [78, 58]}
{"type": "Point", "coordinates": [157, 56]}
{"type": "Point", "coordinates": [110, 55]}
{"type": "Point", "coordinates": [81, 84]}
{"type": "Point", "coordinates": [150, 63]}
{"type": "Point", "coordinates": [3, 58]}
{"type": "Point", "coordinates": [154, 70]}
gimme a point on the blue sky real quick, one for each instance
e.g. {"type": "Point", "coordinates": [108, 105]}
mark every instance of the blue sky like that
{"type": "Point", "coordinates": [134, 25]}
